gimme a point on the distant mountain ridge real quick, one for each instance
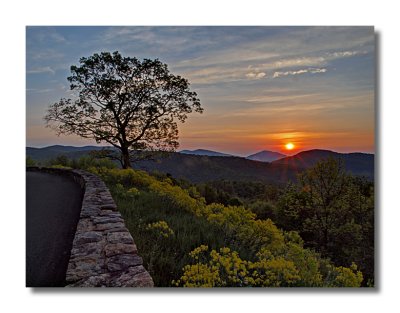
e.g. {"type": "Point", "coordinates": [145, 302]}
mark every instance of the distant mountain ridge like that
{"type": "Point", "coordinates": [198, 168]}
{"type": "Point", "coordinates": [202, 168]}
{"type": "Point", "coordinates": [266, 156]}
{"type": "Point", "coordinates": [46, 153]}
{"type": "Point", "coordinates": [204, 152]}
{"type": "Point", "coordinates": [358, 163]}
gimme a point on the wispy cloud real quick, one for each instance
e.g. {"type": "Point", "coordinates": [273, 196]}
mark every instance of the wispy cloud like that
{"type": "Point", "coordinates": [56, 37]}
{"type": "Point", "coordinates": [45, 55]}
{"type": "Point", "coordinates": [45, 34]}
{"type": "Point", "coordinates": [299, 72]}
{"type": "Point", "coordinates": [317, 70]}
{"type": "Point", "coordinates": [278, 74]}
{"type": "Point", "coordinates": [239, 70]}
{"type": "Point", "coordinates": [323, 58]}
{"type": "Point", "coordinates": [208, 55]}
{"type": "Point", "coordinates": [296, 62]}
{"type": "Point", "coordinates": [281, 97]}
{"type": "Point", "coordinates": [33, 90]}
{"type": "Point", "coordinates": [39, 70]}
{"type": "Point", "coordinates": [297, 108]}
{"type": "Point", "coordinates": [344, 54]}
{"type": "Point", "coordinates": [299, 104]}
{"type": "Point", "coordinates": [256, 75]}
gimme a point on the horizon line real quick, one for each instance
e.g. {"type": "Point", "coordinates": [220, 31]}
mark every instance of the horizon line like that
{"type": "Point", "coordinates": [228, 154]}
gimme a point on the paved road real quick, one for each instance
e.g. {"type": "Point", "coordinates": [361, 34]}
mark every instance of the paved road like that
{"type": "Point", "coordinates": [52, 213]}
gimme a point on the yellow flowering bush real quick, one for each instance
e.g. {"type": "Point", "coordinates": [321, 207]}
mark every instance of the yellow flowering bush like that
{"type": "Point", "coordinates": [307, 263]}
{"type": "Point", "coordinates": [133, 192]}
{"type": "Point", "coordinates": [161, 228]}
{"type": "Point", "coordinates": [198, 252]}
{"type": "Point", "coordinates": [347, 277]}
{"type": "Point", "coordinates": [274, 272]}
{"type": "Point", "coordinates": [232, 269]}
{"type": "Point", "coordinates": [61, 167]}
{"type": "Point", "coordinates": [126, 177]}
{"type": "Point", "coordinates": [200, 275]}
{"type": "Point", "coordinates": [226, 269]}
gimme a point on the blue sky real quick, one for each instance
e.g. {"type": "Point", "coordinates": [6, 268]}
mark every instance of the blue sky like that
{"type": "Point", "coordinates": [261, 87]}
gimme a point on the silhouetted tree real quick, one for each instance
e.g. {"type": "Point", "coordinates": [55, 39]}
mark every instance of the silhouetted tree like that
{"type": "Point", "coordinates": [128, 103]}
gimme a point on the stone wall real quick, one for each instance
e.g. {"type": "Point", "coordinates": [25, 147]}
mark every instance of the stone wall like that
{"type": "Point", "coordinates": [103, 252]}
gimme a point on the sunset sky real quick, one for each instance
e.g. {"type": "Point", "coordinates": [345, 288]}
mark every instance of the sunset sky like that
{"type": "Point", "coordinates": [261, 87]}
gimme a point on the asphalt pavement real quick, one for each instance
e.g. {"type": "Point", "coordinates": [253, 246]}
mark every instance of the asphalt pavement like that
{"type": "Point", "coordinates": [53, 205]}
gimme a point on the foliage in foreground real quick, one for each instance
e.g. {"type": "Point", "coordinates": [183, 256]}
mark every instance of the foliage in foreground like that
{"type": "Point", "coordinates": [226, 269]}
{"type": "Point", "coordinates": [334, 214]}
{"type": "Point", "coordinates": [29, 161]}
{"type": "Point", "coordinates": [169, 222]}
{"type": "Point", "coordinates": [333, 211]}
{"type": "Point", "coordinates": [84, 162]}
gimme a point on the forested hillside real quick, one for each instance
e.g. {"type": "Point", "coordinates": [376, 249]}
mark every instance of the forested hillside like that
{"type": "Point", "coordinates": [204, 168]}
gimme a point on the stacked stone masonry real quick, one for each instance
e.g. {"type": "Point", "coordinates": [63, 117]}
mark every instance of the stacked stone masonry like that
{"type": "Point", "coordinates": [103, 252]}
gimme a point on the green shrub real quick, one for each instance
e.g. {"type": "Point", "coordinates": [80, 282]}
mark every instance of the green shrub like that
{"type": "Point", "coordinates": [30, 161]}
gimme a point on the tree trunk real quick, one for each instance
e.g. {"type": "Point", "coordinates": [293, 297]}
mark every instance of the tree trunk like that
{"type": "Point", "coordinates": [126, 161]}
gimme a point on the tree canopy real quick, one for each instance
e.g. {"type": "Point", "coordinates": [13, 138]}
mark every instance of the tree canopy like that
{"type": "Point", "coordinates": [334, 213]}
{"type": "Point", "coordinates": [129, 103]}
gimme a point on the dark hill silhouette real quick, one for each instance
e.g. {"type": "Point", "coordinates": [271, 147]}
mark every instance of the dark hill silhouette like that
{"type": "Point", "coordinates": [71, 148]}
{"type": "Point", "coordinates": [203, 168]}
{"type": "Point", "coordinates": [207, 168]}
{"type": "Point", "coordinates": [197, 168]}
{"type": "Point", "coordinates": [266, 156]}
{"type": "Point", "coordinates": [204, 152]}
{"type": "Point", "coordinates": [46, 153]}
{"type": "Point", "coordinates": [358, 163]}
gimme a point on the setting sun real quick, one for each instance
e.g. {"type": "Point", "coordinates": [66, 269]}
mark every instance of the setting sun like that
{"type": "Point", "coordinates": [289, 146]}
